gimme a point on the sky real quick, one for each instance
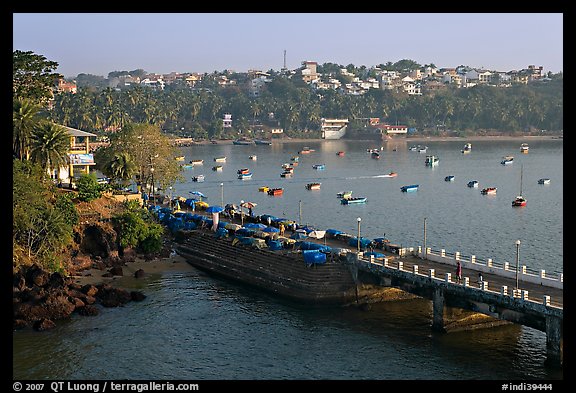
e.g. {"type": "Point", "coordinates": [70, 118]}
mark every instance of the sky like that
{"type": "Point", "coordinates": [99, 43]}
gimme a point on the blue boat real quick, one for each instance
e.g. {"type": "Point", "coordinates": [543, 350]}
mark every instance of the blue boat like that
{"type": "Point", "coordinates": [353, 200]}
{"type": "Point", "coordinates": [319, 166]}
{"type": "Point", "coordinates": [413, 187]}
{"type": "Point", "coordinates": [243, 176]}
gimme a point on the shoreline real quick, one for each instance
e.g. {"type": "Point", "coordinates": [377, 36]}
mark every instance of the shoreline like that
{"type": "Point", "coordinates": [420, 138]}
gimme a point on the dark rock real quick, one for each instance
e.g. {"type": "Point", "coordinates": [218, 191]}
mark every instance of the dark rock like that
{"type": "Point", "coordinates": [35, 275]}
{"type": "Point", "coordinates": [89, 290]}
{"type": "Point", "coordinates": [88, 311]}
{"type": "Point", "coordinates": [43, 324]}
{"type": "Point", "coordinates": [129, 255]}
{"type": "Point", "coordinates": [116, 271]}
{"type": "Point", "coordinates": [78, 303]}
{"type": "Point", "coordinates": [99, 265]}
{"type": "Point", "coordinates": [56, 280]}
{"type": "Point", "coordinates": [57, 305]}
{"type": "Point", "coordinates": [18, 324]}
{"type": "Point", "coordinates": [139, 273]}
{"type": "Point", "coordinates": [137, 296]}
{"type": "Point", "coordinates": [113, 297]}
{"type": "Point", "coordinates": [19, 281]}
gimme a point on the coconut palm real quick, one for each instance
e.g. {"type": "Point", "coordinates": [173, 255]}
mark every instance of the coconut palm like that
{"type": "Point", "coordinates": [25, 118]}
{"type": "Point", "coordinates": [49, 145]}
{"type": "Point", "coordinates": [121, 167]}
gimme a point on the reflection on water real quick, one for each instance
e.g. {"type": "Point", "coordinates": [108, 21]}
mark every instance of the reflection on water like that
{"type": "Point", "coordinates": [192, 326]}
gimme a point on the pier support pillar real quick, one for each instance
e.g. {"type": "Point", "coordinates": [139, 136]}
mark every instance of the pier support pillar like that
{"type": "Point", "coordinates": [554, 352]}
{"type": "Point", "coordinates": [438, 310]}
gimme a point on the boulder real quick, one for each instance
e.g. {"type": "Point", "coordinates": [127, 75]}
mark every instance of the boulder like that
{"type": "Point", "coordinates": [139, 273]}
{"type": "Point", "coordinates": [43, 324]}
{"type": "Point", "coordinates": [88, 311]}
{"type": "Point", "coordinates": [137, 296]}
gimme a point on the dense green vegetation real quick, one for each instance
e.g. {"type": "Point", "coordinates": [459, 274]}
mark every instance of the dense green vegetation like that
{"type": "Point", "coordinates": [44, 217]}
{"type": "Point", "coordinates": [291, 104]}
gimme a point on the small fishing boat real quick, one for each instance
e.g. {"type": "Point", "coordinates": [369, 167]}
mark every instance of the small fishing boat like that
{"type": "Point", "coordinates": [520, 201]}
{"type": "Point", "coordinates": [422, 149]}
{"type": "Point", "coordinates": [186, 166]}
{"type": "Point", "coordinates": [263, 189]}
{"type": "Point", "coordinates": [410, 188]}
{"type": "Point", "coordinates": [344, 194]}
{"type": "Point", "coordinates": [294, 158]}
{"type": "Point", "coordinates": [197, 162]}
{"type": "Point", "coordinates": [243, 141]}
{"type": "Point", "coordinates": [199, 178]}
{"type": "Point", "coordinates": [306, 150]}
{"type": "Point", "coordinates": [319, 166]}
{"type": "Point", "coordinates": [243, 170]}
{"type": "Point", "coordinates": [217, 168]}
{"type": "Point", "coordinates": [286, 174]}
{"type": "Point", "coordinates": [253, 158]}
{"type": "Point", "coordinates": [524, 148]}
{"type": "Point", "coordinates": [179, 158]}
{"type": "Point", "coordinates": [219, 159]}
{"type": "Point", "coordinates": [313, 186]}
{"type": "Point", "coordinates": [467, 148]}
{"type": "Point", "coordinates": [340, 154]}
{"type": "Point", "coordinates": [488, 191]}
{"type": "Point", "coordinates": [244, 176]}
{"type": "Point", "coordinates": [449, 178]}
{"type": "Point", "coordinates": [353, 200]}
{"type": "Point", "coordinates": [375, 155]}
{"type": "Point", "coordinates": [473, 184]}
{"type": "Point", "coordinates": [544, 181]}
{"type": "Point", "coordinates": [431, 161]}
{"type": "Point", "coordinates": [507, 160]}
{"type": "Point", "coordinates": [414, 148]}
{"type": "Point", "coordinates": [263, 142]}
{"type": "Point", "coordinates": [275, 191]}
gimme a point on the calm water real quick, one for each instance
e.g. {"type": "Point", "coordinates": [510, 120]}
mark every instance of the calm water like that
{"type": "Point", "coordinates": [193, 326]}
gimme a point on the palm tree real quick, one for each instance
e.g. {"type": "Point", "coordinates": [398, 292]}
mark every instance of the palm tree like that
{"type": "Point", "coordinates": [25, 118]}
{"type": "Point", "coordinates": [49, 145]}
{"type": "Point", "coordinates": [121, 167]}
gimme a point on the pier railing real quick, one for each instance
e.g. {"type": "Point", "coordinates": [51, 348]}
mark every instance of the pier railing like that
{"type": "Point", "coordinates": [488, 266]}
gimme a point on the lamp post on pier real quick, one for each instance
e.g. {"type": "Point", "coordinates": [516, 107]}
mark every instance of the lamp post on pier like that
{"type": "Point", "coordinates": [242, 212]}
{"type": "Point", "coordinates": [222, 194]}
{"type": "Point", "coordinates": [517, 262]}
{"type": "Point", "coordinates": [359, 220]}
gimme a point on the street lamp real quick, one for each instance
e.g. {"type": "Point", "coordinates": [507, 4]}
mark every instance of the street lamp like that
{"type": "Point", "coordinates": [517, 261]}
{"type": "Point", "coordinates": [242, 212]}
{"type": "Point", "coordinates": [153, 199]}
{"type": "Point", "coordinates": [170, 196]}
{"type": "Point", "coordinates": [222, 193]}
{"type": "Point", "coordinates": [358, 219]}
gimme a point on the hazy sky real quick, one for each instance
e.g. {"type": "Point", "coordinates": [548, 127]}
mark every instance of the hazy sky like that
{"type": "Point", "coordinates": [98, 43]}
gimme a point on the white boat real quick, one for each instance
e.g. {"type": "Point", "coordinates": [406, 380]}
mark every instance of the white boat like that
{"type": "Point", "coordinates": [253, 158]}
{"type": "Point", "coordinates": [220, 159]}
{"type": "Point", "coordinates": [199, 178]}
{"type": "Point", "coordinates": [544, 181]}
{"type": "Point", "coordinates": [473, 184]}
{"type": "Point", "coordinates": [507, 160]}
{"type": "Point", "coordinates": [467, 148]}
{"type": "Point", "coordinates": [431, 161]}
{"type": "Point", "coordinates": [524, 148]}
{"type": "Point", "coordinates": [344, 194]}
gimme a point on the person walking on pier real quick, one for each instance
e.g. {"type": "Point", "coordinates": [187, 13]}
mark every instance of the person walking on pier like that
{"type": "Point", "coordinates": [459, 272]}
{"type": "Point", "coordinates": [281, 229]}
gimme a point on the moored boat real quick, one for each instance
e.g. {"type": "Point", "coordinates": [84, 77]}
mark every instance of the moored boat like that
{"type": "Point", "coordinates": [244, 176]}
{"type": "Point", "coordinates": [467, 148]}
{"type": "Point", "coordinates": [263, 189]}
{"type": "Point", "coordinates": [243, 141]}
{"type": "Point", "coordinates": [253, 157]}
{"type": "Point", "coordinates": [179, 158]}
{"type": "Point", "coordinates": [243, 170]}
{"type": "Point", "coordinates": [524, 148]}
{"type": "Point", "coordinates": [489, 191]}
{"type": "Point", "coordinates": [344, 194]}
{"type": "Point", "coordinates": [507, 160]}
{"type": "Point", "coordinates": [197, 162]}
{"type": "Point", "coordinates": [473, 184]}
{"type": "Point", "coordinates": [544, 181]}
{"type": "Point", "coordinates": [186, 166]}
{"type": "Point", "coordinates": [431, 161]}
{"type": "Point", "coordinates": [520, 200]}
{"type": "Point", "coordinates": [262, 142]}
{"type": "Point", "coordinates": [219, 159]}
{"type": "Point", "coordinates": [217, 168]}
{"type": "Point", "coordinates": [286, 174]}
{"type": "Point", "coordinates": [319, 166]}
{"type": "Point", "coordinates": [275, 191]}
{"type": "Point", "coordinates": [199, 178]}
{"type": "Point", "coordinates": [340, 153]}
{"type": "Point", "coordinates": [449, 178]}
{"type": "Point", "coordinates": [409, 188]}
{"type": "Point", "coordinates": [306, 150]}
{"type": "Point", "coordinates": [313, 186]}
{"type": "Point", "coordinates": [353, 200]}
{"type": "Point", "coordinates": [375, 155]}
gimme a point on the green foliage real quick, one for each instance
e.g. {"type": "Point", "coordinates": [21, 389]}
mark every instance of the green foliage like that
{"type": "Point", "coordinates": [67, 208]}
{"type": "Point", "coordinates": [33, 76]}
{"type": "Point", "coordinates": [88, 187]}
{"type": "Point", "coordinates": [136, 230]}
{"type": "Point", "coordinates": [41, 224]}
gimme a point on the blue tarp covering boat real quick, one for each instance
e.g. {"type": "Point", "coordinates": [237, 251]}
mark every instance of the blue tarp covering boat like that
{"type": "Point", "coordinates": [314, 257]}
{"type": "Point", "coordinates": [221, 232]}
{"type": "Point", "coordinates": [245, 232]}
{"type": "Point", "coordinates": [313, 246]}
{"type": "Point", "coordinates": [364, 243]}
{"type": "Point", "coordinates": [275, 245]}
{"type": "Point", "coordinates": [333, 232]}
{"type": "Point", "coordinates": [189, 225]}
{"type": "Point", "coordinates": [376, 254]}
